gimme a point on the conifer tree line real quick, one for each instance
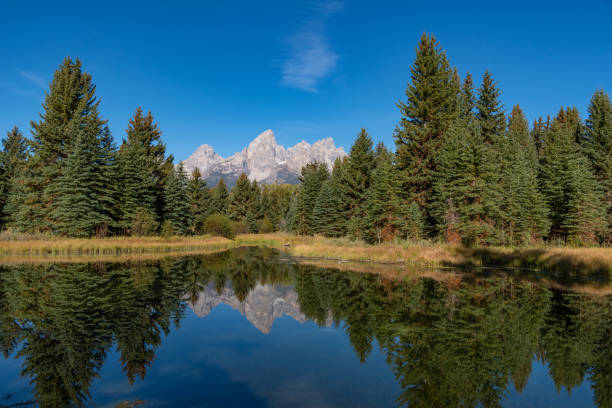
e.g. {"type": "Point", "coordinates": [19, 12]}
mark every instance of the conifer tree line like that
{"type": "Point", "coordinates": [70, 178]}
{"type": "Point", "coordinates": [464, 171]}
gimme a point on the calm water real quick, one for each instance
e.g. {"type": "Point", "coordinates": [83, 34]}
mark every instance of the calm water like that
{"type": "Point", "coordinates": [249, 328]}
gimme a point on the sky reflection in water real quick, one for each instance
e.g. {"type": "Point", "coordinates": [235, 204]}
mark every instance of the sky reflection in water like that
{"type": "Point", "coordinates": [242, 329]}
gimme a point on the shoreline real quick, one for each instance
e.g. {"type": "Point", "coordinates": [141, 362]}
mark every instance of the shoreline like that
{"type": "Point", "coordinates": [551, 259]}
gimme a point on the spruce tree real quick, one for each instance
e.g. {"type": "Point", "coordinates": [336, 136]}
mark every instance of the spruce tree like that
{"type": "Point", "coordinates": [177, 211]}
{"type": "Point", "coordinates": [526, 214]}
{"type": "Point", "coordinates": [220, 197]}
{"type": "Point", "coordinates": [199, 200]}
{"type": "Point", "coordinates": [302, 220]}
{"type": "Point", "coordinates": [327, 211]}
{"type": "Point", "coordinates": [137, 186]}
{"type": "Point", "coordinates": [573, 196]}
{"type": "Point", "coordinates": [489, 111]}
{"type": "Point", "coordinates": [467, 100]}
{"type": "Point", "coordinates": [467, 191]}
{"type": "Point", "coordinates": [78, 211]}
{"type": "Point", "coordinates": [358, 176]}
{"type": "Point", "coordinates": [429, 111]}
{"type": "Point", "coordinates": [12, 160]}
{"type": "Point", "coordinates": [70, 111]}
{"type": "Point", "coordinates": [240, 198]}
{"type": "Point", "coordinates": [144, 135]}
{"type": "Point", "coordinates": [382, 205]}
{"type": "Point", "coordinates": [598, 147]}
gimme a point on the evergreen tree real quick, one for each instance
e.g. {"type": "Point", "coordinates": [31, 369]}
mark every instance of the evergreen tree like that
{"type": "Point", "coordinates": [467, 100]}
{"type": "Point", "coordinates": [327, 211]}
{"type": "Point", "coordinates": [358, 176]}
{"type": "Point", "coordinates": [199, 200]}
{"type": "Point", "coordinates": [137, 185]}
{"type": "Point", "coordinates": [524, 205]}
{"type": "Point", "coordinates": [144, 135]}
{"type": "Point", "coordinates": [429, 111]}
{"type": "Point", "coordinates": [489, 111]}
{"type": "Point", "coordinates": [467, 190]}
{"type": "Point", "coordinates": [240, 199]}
{"type": "Point", "coordinates": [70, 111]}
{"type": "Point", "coordinates": [178, 212]}
{"type": "Point", "coordinates": [567, 182]}
{"type": "Point", "coordinates": [12, 160]}
{"type": "Point", "coordinates": [382, 206]}
{"type": "Point", "coordinates": [220, 197]}
{"type": "Point", "coordinates": [538, 133]}
{"type": "Point", "coordinates": [599, 147]}
{"type": "Point", "coordinates": [78, 211]}
{"type": "Point", "coordinates": [302, 220]}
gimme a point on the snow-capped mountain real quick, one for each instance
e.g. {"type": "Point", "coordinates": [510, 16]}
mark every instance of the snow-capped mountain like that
{"type": "Point", "coordinates": [263, 160]}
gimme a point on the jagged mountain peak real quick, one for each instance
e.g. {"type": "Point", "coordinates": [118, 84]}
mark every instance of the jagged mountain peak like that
{"type": "Point", "coordinates": [263, 160]}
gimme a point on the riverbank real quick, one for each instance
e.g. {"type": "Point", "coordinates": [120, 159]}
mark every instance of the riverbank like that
{"type": "Point", "coordinates": [556, 259]}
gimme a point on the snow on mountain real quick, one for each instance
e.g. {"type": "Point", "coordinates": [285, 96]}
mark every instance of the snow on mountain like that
{"type": "Point", "coordinates": [263, 160]}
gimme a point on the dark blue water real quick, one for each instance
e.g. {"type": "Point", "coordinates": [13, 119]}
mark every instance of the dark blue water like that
{"type": "Point", "coordinates": [249, 329]}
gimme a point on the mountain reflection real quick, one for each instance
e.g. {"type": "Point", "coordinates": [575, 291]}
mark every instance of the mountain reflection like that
{"type": "Point", "coordinates": [460, 342]}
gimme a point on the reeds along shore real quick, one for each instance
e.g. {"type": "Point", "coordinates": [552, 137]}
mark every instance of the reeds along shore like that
{"type": "Point", "coordinates": [567, 260]}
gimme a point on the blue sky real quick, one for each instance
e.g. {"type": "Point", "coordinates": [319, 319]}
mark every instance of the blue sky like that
{"type": "Point", "coordinates": [222, 72]}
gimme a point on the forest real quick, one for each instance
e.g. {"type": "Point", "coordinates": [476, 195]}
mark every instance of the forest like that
{"type": "Point", "coordinates": [463, 171]}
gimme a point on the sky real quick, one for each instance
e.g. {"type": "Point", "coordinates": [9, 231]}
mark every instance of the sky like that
{"type": "Point", "coordinates": [221, 72]}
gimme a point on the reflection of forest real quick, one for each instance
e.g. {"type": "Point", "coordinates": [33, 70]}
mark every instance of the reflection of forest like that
{"type": "Point", "coordinates": [453, 343]}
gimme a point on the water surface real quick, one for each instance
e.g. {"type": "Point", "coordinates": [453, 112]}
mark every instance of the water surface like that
{"type": "Point", "coordinates": [250, 327]}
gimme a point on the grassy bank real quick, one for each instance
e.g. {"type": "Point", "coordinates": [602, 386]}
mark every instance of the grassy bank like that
{"type": "Point", "coordinates": [571, 260]}
{"type": "Point", "coordinates": [111, 246]}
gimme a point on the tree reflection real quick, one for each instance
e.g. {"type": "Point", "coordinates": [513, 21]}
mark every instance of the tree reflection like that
{"type": "Point", "coordinates": [461, 343]}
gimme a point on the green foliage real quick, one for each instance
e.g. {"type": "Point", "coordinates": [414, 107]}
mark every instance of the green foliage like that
{"type": "Point", "coordinates": [598, 147]}
{"type": "Point", "coordinates": [144, 136]}
{"type": "Point", "coordinates": [220, 196]}
{"type": "Point", "coordinates": [382, 204]}
{"type": "Point", "coordinates": [329, 219]}
{"type": "Point", "coordinates": [144, 222]}
{"type": "Point", "coordinates": [167, 229]}
{"type": "Point", "coordinates": [468, 195]}
{"type": "Point", "coordinates": [302, 219]}
{"type": "Point", "coordinates": [218, 225]}
{"type": "Point", "coordinates": [526, 213]}
{"type": "Point", "coordinates": [240, 199]}
{"type": "Point", "coordinates": [430, 110]}
{"type": "Point", "coordinates": [200, 200]}
{"type": "Point", "coordinates": [266, 226]}
{"type": "Point", "coordinates": [12, 161]}
{"type": "Point", "coordinates": [489, 111]}
{"type": "Point", "coordinates": [414, 224]}
{"type": "Point", "coordinates": [574, 198]}
{"type": "Point", "coordinates": [177, 210]}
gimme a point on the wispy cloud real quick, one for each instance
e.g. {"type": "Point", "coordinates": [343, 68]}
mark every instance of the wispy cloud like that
{"type": "Point", "coordinates": [35, 79]}
{"type": "Point", "coordinates": [310, 57]}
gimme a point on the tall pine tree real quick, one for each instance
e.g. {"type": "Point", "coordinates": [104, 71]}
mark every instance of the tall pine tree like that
{"type": "Point", "coordinates": [429, 111]}
{"type": "Point", "coordinates": [12, 160]}
{"type": "Point", "coordinates": [598, 147]}
{"type": "Point", "coordinates": [177, 210]}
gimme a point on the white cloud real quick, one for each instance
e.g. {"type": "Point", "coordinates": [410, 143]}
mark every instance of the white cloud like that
{"type": "Point", "coordinates": [35, 79]}
{"type": "Point", "coordinates": [310, 56]}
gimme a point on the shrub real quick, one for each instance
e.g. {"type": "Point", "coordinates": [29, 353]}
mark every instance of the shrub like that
{"type": "Point", "coordinates": [167, 229]}
{"type": "Point", "coordinates": [218, 225]}
{"type": "Point", "coordinates": [266, 226]}
{"type": "Point", "coordinates": [240, 227]}
{"type": "Point", "coordinates": [143, 223]}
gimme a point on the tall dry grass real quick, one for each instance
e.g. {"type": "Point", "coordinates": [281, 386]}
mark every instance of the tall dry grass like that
{"type": "Point", "coordinates": [111, 246]}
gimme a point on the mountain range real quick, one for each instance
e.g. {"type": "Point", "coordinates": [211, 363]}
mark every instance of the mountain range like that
{"type": "Point", "coordinates": [262, 306]}
{"type": "Point", "coordinates": [262, 160]}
